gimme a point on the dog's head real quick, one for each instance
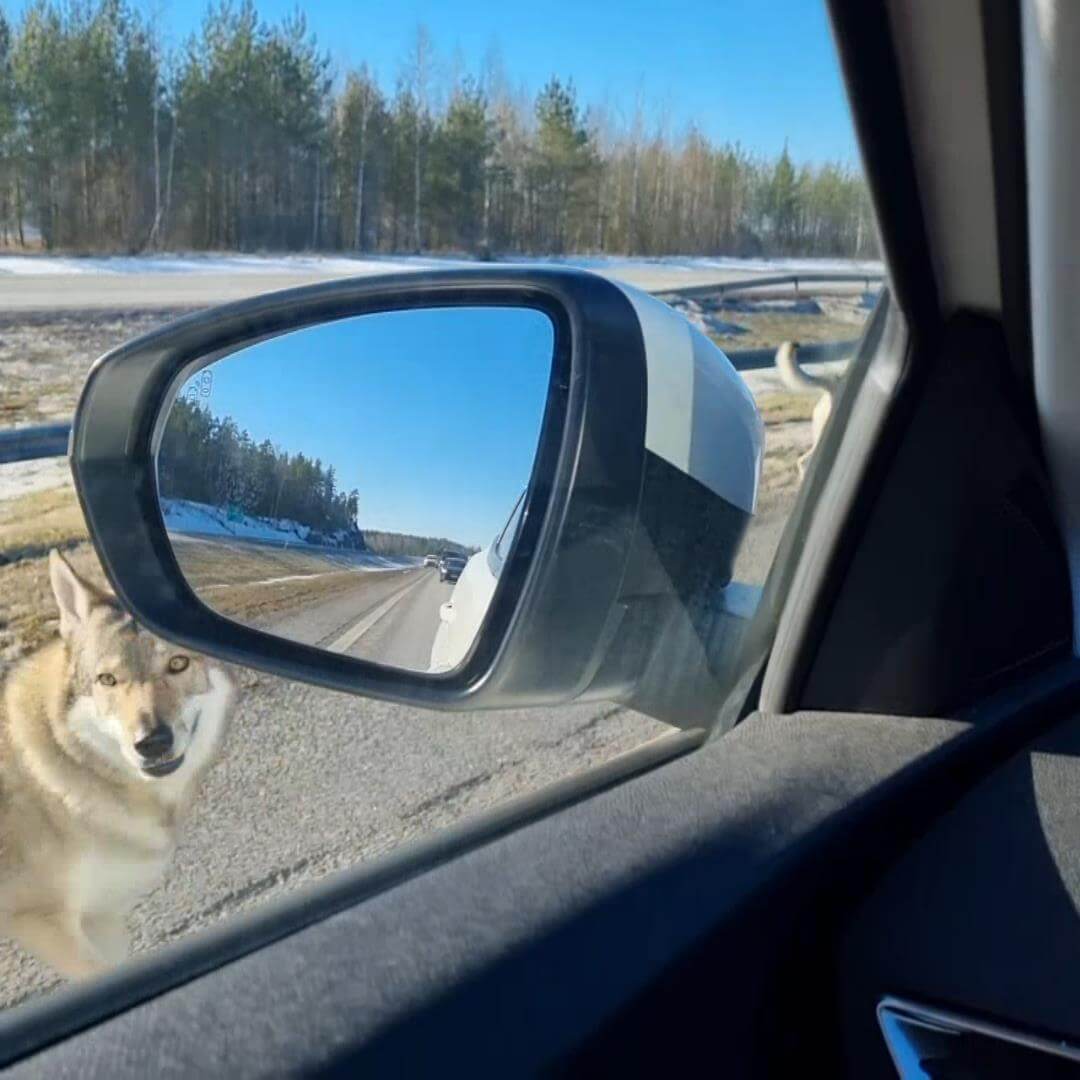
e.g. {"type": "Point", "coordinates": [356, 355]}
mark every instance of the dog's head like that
{"type": "Point", "coordinates": [138, 700]}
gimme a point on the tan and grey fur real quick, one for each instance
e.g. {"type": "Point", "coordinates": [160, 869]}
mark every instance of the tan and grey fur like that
{"type": "Point", "coordinates": [802, 382]}
{"type": "Point", "coordinates": [88, 821]}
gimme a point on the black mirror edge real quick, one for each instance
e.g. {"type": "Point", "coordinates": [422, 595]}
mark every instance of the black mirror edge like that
{"type": "Point", "coordinates": [555, 612]}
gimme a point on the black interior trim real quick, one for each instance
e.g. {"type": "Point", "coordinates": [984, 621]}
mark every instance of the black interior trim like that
{"type": "Point", "coordinates": [770, 969]}
{"type": "Point", "coordinates": [872, 78]}
{"type": "Point", "coordinates": [880, 336]}
{"type": "Point", "coordinates": [967, 1045]}
{"type": "Point", "coordinates": [868, 61]}
{"type": "Point", "coordinates": [1005, 93]}
{"type": "Point", "coordinates": [980, 915]}
{"type": "Point", "coordinates": [960, 580]}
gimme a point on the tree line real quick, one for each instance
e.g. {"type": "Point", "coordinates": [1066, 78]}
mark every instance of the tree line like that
{"type": "Point", "coordinates": [392, 543]}
{"type": "Point", "coordinates": [245, 138]}
{"type": "Point", "coordinates": [211, 460]}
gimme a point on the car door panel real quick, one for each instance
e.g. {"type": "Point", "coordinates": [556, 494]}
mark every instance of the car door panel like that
{"type": "Point", "coordinates": [981, 915]}
{"type": "Point", "coordinates": [524, 951]}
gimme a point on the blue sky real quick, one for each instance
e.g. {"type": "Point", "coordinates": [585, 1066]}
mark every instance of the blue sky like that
{"type": "Point", "coordinates": [433, 415]}
{"type": "Point", "coordinates": [750, 71]}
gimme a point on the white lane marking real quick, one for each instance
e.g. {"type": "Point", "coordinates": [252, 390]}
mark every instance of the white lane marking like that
{"type": "Point", "coordinates": [355, 632]}
{"type": "Point", "coordinates": [272, 580]}
{"type": "Point", "coordinates": [303, 577]}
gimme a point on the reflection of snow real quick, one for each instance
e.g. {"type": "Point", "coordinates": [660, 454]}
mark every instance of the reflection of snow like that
{"type": "Point", "coordinates": [185, 516]}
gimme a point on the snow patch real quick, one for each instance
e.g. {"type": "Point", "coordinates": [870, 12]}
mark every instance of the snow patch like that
{"type": "Point", "coordinates": [772, 307]}
{"type": "Point", "coordinates": [19, 478]}
{"type": "Point", "coordinates": [339, 265]}
{"type": "Point", "coordinates": [182, 515]}
{"type": "Point", "coordinates": [201, 519]}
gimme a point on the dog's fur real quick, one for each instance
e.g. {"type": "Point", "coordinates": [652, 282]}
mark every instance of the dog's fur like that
{"type": "Point", "coordinates": [86, 828]}
{"type": "Point", "coordinates": [801, 382]}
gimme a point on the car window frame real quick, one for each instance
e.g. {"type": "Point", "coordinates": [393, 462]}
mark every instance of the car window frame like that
{"type": "Point", "coordinates": [496, 558]}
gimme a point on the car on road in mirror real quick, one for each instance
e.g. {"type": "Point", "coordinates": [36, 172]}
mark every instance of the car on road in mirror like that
{"type": "Point", "coordinates": [450, 567]}
{"type": "Point", "coordinates": [461, 615]}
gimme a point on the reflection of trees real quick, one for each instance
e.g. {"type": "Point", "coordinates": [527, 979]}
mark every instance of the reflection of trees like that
{"type": "Point", "coordinates": [209, 459]}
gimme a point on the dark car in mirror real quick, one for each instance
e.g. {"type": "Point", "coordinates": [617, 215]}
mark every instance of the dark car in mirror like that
{"type": "Point", "coordinates": [450, 567]}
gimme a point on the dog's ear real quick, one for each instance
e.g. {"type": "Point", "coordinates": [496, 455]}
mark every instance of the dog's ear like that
{"type": "Point", "coordinates": [74, 597]}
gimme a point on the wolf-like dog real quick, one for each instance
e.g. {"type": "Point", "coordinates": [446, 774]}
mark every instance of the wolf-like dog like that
{"type": "Point", "coordinates": [105, 734]}
{"type": "Point", "coordinates": [802, 382]}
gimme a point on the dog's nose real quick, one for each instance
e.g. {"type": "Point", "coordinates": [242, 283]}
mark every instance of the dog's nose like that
{"type": "Point", "coordinates": [157, 743]}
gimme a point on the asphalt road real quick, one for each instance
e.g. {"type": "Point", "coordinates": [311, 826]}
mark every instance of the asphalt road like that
{"type": "Point", "coordinates": [387, 617]}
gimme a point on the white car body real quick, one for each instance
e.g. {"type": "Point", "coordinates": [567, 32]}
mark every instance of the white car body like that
{"type": "Point", "coordinates": [461, 615]}
{"type": "Point", "coordinates": [700, 417]}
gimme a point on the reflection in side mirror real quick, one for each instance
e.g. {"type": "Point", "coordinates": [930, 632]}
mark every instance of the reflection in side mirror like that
{"type": "Point", "coordinates": [348, 485]}
{"type": "Point", "coordinates": [344, 470]}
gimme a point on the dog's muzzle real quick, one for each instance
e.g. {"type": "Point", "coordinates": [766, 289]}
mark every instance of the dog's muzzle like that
{"type": "Point", "coordinates": [158, 768]}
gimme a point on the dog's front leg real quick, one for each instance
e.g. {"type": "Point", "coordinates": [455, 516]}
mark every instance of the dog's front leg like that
{"type": "Point", "coordinates": [58, 939]}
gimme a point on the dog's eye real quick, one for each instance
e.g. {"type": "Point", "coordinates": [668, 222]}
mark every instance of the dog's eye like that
{"type": "Point", "coordinates": [178, 664]}
{"type": "Point", "coordinates": [106, 679]}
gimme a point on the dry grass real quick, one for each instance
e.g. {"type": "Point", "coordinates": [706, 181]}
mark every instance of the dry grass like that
{"type": "Point", "coordinates": [44, 357]}
{"type": "Point", "coordinates": [235, 582]}
{"type": "Point", "coordinates": [785, 408]}
{"type": "Point", "coordinates": [787, 438]}
{"type": "Point", "coordinates": [769, 331]}
{"type": "Point", "coordinates": [31, 524]}
{"type": "Point", "coordinates": [256, 604]}
{"type": "Point", "coordinates": [224, 563]}
{"type": "Point", "coordinates": [28, 616]}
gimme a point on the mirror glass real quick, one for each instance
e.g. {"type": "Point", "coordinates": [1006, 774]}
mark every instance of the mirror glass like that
{"type": "Point", "coordinates": [357, 485]}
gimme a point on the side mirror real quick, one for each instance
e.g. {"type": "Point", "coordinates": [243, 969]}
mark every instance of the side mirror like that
{"type": "Point", "coordinates": [463, 489]}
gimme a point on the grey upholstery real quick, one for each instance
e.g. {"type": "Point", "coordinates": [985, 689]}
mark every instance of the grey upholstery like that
{"type": "Point", "coordinates": [982, 914]}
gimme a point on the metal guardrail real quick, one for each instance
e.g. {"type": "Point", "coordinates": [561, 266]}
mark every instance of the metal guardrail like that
{"type": "Point", "coordinates": [51, 440]}
{"type": "Point", "coordinates": [695, 292]}
{"type": "Point", "coordinates": [30, 443]}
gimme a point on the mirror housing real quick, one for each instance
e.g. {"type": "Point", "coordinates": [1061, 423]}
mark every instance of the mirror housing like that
{"type": "Point", "coordinates": [646, 477]}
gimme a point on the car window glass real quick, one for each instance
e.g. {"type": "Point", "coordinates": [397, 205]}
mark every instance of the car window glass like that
{"type": "Point", "coordinates": [156, 160]}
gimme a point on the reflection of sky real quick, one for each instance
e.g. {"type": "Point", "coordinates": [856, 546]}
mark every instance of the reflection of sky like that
{"type": "Point", "coordinates": [433, 415]}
